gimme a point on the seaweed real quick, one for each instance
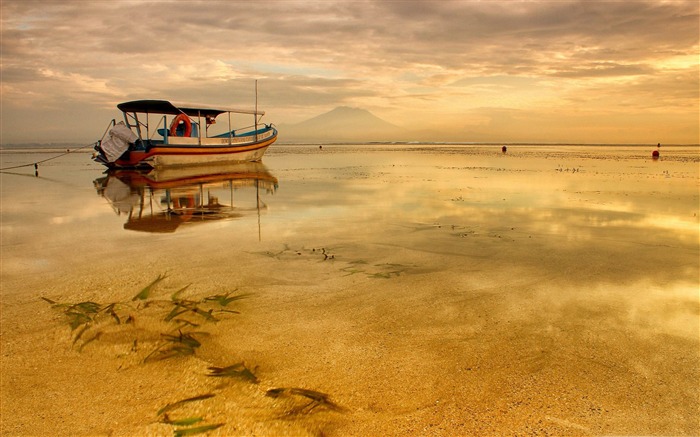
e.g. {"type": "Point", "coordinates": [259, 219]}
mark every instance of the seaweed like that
{"type": "Point", "coordinates": [201, 307]}
{"type": "Point", "coordinates": [318, 399]}
{"type": "Point", "coordinates": [86, 342]}
{"type": "Point", "coordinates": [238, 370]}
{"type": "Point", "coordinates": [272, 254]}
{"type": "Point", "coordinates": [188, 421]}
{"type": "Point", "coordinates": [351, 269]}
{"type": "Point", "coordinates": [391, 269]}
{"type": "Point", "coordinates": [184, 401]}
{"type": "Point", "coordinates": [175, 346]}
{"type": "Point", "coordinates": [185, 322]}
{"type": "Point", "coordinates": [197, 430]}
{"type": "Point", "coordinates": [175, 295]}
{"type": "Point", "coordinates": [82, 316]}
{"type": "Point", "coordinates": [109, 309]}
{"type": "Point", "coordinates": [179, 308]}
{"type": "Point", "coordinates": [143, 294]}
{"type": "Point", "coordinates": [82, 313]}
{"type": "Point", "coordinates": [326, 255]}
{"type": "Point", "coordinates": [181, 422]}
{"type": "Point", "coordinates": [187, 315]}
{"type": "Point", "coordinates": [206, 314]}
{"type": "Point", "coordinates": [224, 299]}
{"type": "Point", "coordinates": [80, 333]}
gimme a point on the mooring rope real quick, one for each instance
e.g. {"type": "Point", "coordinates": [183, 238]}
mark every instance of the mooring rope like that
{"type": "Point", "coordinates": [36, 164]}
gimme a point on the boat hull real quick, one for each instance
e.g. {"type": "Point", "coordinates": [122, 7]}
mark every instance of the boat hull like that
{"type": "Point", "coordinates": [165, 155]}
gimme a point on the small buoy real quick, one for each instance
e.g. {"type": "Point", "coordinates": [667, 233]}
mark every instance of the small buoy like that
{"type": "Point", "coordinates": [320, 147]}
{"type": "Point", "coordinates": [504, 149]}
{"type": "Point", "coordinates": [658, 145]}
{"type": "Point", "coordinates": [655, 154]}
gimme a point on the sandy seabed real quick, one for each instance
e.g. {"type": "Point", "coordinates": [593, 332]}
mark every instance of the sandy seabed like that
{"type": "Point", "coordinates": [384, 291]}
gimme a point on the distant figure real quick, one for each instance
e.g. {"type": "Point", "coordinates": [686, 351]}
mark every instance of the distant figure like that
{"type": "Point", "coordinates": [320, 147]}
{"type": "Point", "coordinates": [655, 154]}
{"type": "Point", "coordinates": [658, 145]}
{"type": "Point", "coordinates": [504, 149]}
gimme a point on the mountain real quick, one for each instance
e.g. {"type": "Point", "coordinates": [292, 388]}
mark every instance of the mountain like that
{"type": "Point", "coordinates": [341, 125]}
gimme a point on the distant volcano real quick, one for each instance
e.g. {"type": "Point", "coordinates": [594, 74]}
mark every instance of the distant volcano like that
{"type": "Point", "coordinates": [342, 124]}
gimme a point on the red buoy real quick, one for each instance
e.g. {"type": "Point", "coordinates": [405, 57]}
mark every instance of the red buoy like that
{"type": "Point", "coordinates": [655, 154]}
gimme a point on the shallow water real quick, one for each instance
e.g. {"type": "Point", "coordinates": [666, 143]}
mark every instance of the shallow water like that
{"type": "Point", "coordinates": [427, 289]}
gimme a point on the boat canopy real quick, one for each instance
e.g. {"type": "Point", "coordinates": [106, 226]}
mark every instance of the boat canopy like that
{"type": "Point", "coordinates": [165, 107]}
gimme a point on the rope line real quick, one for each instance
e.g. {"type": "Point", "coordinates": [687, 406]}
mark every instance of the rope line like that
{"type": "Point", "coordinates": [36, 164]}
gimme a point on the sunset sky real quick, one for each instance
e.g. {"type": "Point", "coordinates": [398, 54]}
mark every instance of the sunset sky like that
{"type": "Point", "coordinates": [511, 71]}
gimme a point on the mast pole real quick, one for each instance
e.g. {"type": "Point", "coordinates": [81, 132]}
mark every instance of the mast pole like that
{"type": "Point", "coordinates": [257, 201]}
{"type": "Point", "coordinates": [230, 131]}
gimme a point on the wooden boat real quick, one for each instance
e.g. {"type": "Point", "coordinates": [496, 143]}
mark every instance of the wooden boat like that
{"type": "Point", "coordinates": [149, 138]}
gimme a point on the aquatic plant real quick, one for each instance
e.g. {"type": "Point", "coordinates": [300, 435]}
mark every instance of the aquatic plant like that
{"type": "Point", "coordinates": [146, 291]}
{"type": "Point", "coordinates": [198, 430]}
{"type": "Point", "coordinates": [78, 314]}
{"type": "Point", "coordinates": [390, 269]}
{"type": "Point", "coordinates": [187, 421]}
{"type": "Point", "coordinates": [238, 370]}
{"type": "Point", "coordinates": [181, 402]}
{"type": "Point", "coordinates": [175, 346]}
{"type": "Point", "coordinates": [317, 399]}
{"type": "Point", "coordinates": [181, 422]}
{"type": "Point", "coordinates": [83, 316]}
{"type": "Point", "coordinates": [273, 254]}
{"type": "Point", "coordinates": [326, 255]}
{"type": "Point", "coordinates": [204, 308]}
{"type": "Point", "coordinates": [90, 340]}
{"type": "Point", "coordinates": [187, 314]}
{"type": "Point", "coordinates": [224, 299]}
{"type": "Point", "coordinates": [182, 313]}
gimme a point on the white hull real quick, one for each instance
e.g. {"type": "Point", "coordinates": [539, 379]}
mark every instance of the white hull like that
{"type": "Point", "coordinates": [173, 160]}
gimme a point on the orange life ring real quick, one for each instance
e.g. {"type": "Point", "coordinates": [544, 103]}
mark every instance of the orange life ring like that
{"type": "Point", "coordinates": [186, 202]}
{"type": "Point", "coordinates": [176, 122]}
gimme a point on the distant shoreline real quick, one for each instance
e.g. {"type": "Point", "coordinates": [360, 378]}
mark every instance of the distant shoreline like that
{"type": "Point", "coordinates": [84, 147]}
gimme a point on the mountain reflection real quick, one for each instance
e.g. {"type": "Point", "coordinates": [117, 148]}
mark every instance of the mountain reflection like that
{"type": "Point", "coordinates": [162, 200]}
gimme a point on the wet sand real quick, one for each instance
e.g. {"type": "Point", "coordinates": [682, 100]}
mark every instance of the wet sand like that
{"type": "Point", "coordinates": [426, 290]}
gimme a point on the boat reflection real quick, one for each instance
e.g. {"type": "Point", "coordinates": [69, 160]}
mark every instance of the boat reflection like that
{"type": "Point", "coordinates": [163, 199]}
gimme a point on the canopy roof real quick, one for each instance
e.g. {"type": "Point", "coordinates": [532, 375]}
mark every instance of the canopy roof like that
{"type": "Point", "coordinates": [165, 107]}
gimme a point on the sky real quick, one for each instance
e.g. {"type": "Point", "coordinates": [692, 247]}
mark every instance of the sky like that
{"type": "Point", "coordinates": [575, 71]}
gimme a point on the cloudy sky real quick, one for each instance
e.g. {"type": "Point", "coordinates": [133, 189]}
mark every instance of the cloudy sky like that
{"type": "Point", "coordinates": [458, 70]}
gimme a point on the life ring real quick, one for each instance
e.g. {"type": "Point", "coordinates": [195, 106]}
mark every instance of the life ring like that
{"type": "Point", "coordinates": [186, 202]}
{"type": "Point", "coordinates": [176, 122]}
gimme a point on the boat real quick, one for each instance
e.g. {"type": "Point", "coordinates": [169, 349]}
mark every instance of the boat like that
{"type": "Point", "coordinates": [158, 133]}
{"type": "Point", "coordinates": [161, 200]}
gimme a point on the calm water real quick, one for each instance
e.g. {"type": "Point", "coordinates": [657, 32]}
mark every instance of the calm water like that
{"type": "Point", "coordinates": [558, 272]}
{"type": "Point", "coordinates": [567, 196]}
